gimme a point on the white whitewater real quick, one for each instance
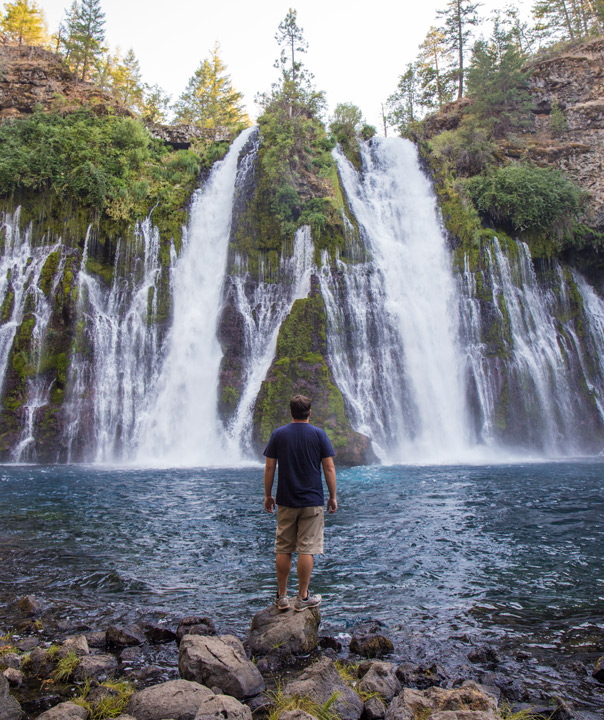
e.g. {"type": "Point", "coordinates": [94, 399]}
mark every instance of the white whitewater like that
{"type": "Point", "coordinates": [181, 427]}
{"type": "Point", "coordinates": [395, 206]}
{"type": "Point", "coordinates": [263, 310]}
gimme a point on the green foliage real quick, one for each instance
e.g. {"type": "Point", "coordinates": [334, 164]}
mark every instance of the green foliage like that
{"type": "Point", "coordinates": [436, 81]}
{"type": "Point", "coordinates": [82, 36]}
{"type": "Point", "coordinates": [109, 166]}
{"type": "Point", "coordinates": [65, 668]}
{"type": "Point", "coordinates": [281, 703]}
{"type": "Point", "coordinates": [345, 126]}
{"type": "Point", "coordinates": [557, 119]}
{"type": "Point", "coordinates": [112, 703]}
{"type": "Point", "coordinates": [403, 103]}
{"type": "Point", "coordinates": [368, 131]}
{"type": "Point", "coordinates": [526, 198]}
{"type": "Point", "coordinates": [560, 19]}
{"type": "Point", "coordinates": [459, 16]}
{"type": "Point", "coordinates": [467, 149]}
{"type": "Point", "coordinates": [23, 23]}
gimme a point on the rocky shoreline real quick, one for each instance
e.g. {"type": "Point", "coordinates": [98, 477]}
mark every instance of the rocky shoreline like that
{"type": "Point", "coordinates": [283, 670]}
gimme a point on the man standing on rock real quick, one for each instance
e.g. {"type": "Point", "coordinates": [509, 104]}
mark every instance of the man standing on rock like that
{"type": "Point", "coordinates": [299, 450]}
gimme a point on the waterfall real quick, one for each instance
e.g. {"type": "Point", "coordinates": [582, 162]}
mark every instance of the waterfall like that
{"type": "Point", "coordinates": [264, 306]}
{"type": "Point", "coordinates": [180, 425]}
{"type": "Point", "coordinates": [412, 340]}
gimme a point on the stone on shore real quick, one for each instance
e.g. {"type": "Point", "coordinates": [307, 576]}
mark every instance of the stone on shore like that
{"type": "Point", "coordinates": [379, 677]}
{"type": "Point", "coordinates": [65, 711]}
{"type": "Point", "coordinates": [195, 625]}
{"type": "Point", "coordinates": [469, 697]}
{"type": "Point", "coordinates": [9, 707]}
{"type": "Point", "coordinates": [219, 661]}
{"type": "Point", "coordinates": [30, 605]}
{"type": "Point", "coordinates": [95, 667]}
{"type": "Point", "coordinates": [368, 641]}
{"type": "Point", "coordinates": [284, 632]}
{"type": "Point", "coordinates": [159, 634]}
{"type": "Point", "coordinates": [11, 660]}
{"type": "Point", "coordinates": [42, 662]}
{"type": "Point", "coordinates": [124, 636]}
{"type": "Point", "coordinates": [296, 715]}
{"type": "Point", "coordinates": [319, 682]}
{"type": "Point", "coordinates": [598, 672]}
{"type": "Point", "coordinates": [77, 644]}
{"type": "Point", "coordinates": [420, 676]}
{"type": "Point", "coordinates": [373, 709]}
{"type": "Point", "coordinates": [175, 699]}
{"type": "Point", "coordinates": [222, 707]}
{"type": "Point", "coordinates": [15, 677]}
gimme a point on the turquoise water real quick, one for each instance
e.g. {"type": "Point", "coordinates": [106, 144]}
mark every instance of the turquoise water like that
{"type": "Point", "coordinates": [445, 557]}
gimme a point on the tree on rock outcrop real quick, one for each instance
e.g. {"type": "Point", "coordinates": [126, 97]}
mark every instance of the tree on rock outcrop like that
{"type": "Point", "coordinates": [403, 105]}
{"type": "Point", "coordinates": [209, 100]}
{"type": "Point", "coordinates": [568, 20]}
{"type": "Point", "coordinates": [82, 35]}
{"type": "Point", "coordinates": [459, 16]}
{"type": "Point", "coordinates": [24, 23]}
{"type": "Point", "coordinates": [437, 82]}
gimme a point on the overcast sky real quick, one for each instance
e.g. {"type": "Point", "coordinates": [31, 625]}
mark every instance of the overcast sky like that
{"type": "Point", "coordinates": [357, 49]}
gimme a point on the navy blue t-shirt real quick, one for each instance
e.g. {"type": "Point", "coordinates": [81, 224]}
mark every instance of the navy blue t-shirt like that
{"type": "Point", "coordinates": [299, 448]}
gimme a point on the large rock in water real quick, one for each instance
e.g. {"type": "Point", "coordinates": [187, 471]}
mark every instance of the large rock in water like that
{"type": "Point", "coordinates": [278, 632]}
{"type": "Point", "coordinates": [319, 682]}
{"type": "Point", "coordinates": [176, 699]}
{"type": "Point", "coordinates": [9, 707]}
{"type": "Point", "coordinates": [380, 678]}
{"type": "Point", "coordinates": [219, 661]}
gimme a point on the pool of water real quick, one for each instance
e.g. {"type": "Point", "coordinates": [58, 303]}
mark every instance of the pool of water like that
{"type": "Point", "coordinates": [445, 557]}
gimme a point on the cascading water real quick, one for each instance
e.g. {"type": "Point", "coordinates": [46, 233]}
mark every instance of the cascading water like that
{"type": "Point", "coordinates": [181, 426]}
{"type": "Point", "coordinates": [413, 347]}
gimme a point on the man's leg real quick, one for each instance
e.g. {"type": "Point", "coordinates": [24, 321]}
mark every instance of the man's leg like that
{"type": "Point", "coordinates": [305, 565]}
{"type": "Point", "coordinates": [284, 565]}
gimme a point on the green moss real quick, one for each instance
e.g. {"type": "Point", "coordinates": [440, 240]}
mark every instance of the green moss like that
{"type": "Point", "coordinates": [49, 271]}
{"type": "Point", "coordinates": [102, 270]}
{"type": "Point", "coordinates": [8, 305]}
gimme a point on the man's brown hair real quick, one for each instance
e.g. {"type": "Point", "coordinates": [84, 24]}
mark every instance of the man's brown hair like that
{"type": "Point", "coordinates": [300, 407]}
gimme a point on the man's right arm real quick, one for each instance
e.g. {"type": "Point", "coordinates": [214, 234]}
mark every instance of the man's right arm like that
{"type": "Point", "coordinates": [269, 477]}
{"type": "Point", "coordinates": [329, 470]}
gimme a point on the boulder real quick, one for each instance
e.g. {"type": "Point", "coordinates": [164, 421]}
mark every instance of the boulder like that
{"type": "Point", "coordinates": [380, 678]}
{"type": "Point", "coordinates": [319, 682]}
{"type": "Point", "coordinates": [420, 676]}
{"type": "Point", "coordinates": [15, 677]}
{"type": "Point", "coordinates": [28, 644]}
{"type": "Point", "coordinates": [95, 667]}
{"type": "Point", "coordinates": [485, 655]}
{"type": "Point", "coordinates": [124, 636]}
{"type": "Point", "coordinates": [159, 634]}
{"type": "Point", "coordinates": [296, 715]}
{"type": "Point", "coordinates": [9, 707]}
{"type": "Point", "coordinates": [368, 641]}
{"type": "Point", "coordinates": [11, 660]}
{"type": "Point", "coordinates": [223, 707]}
{"type": "Point", "coordinates": [219, 661]}
{"type": "Point", "coordinates": [598, 672]}
{"type": "Point", "coordinates": [469, 697]}
{"type": "Point", "coordinates": [42, 662]}
{"type": "Point", "coordinates": [96, 639]}
{"type": "Point", "coordinates": [278, 632]}
{"type": "Point", "coordinates": [195, 625]}
{"type": "Point", "coordinates": [65, 711]}
{"type": "Point", "coordinates": [373, 709]}
{"type": "Point", "coordinates": [175, 699]}
{"type": "Point", "coordinates": [30, 605]}
{"type": "Point", "coordinates": [77, 644]}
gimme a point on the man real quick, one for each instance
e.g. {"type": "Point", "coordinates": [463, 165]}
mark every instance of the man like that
{"type": "Point", "coordinates": [300, 450]}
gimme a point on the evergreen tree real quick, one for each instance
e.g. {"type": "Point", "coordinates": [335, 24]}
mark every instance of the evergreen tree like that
{"type": "Point", "coordinates": [436, 83]}
{"type": "Point", "coordinates": [402, 104]}
{"type": "Point", "coordinates": [291, 39]}
{"type": "Point", "coordinates": [156, 104]}
{"type": "Point", "coordinates": [459, 16]}
{"type": "Point", "coordinates": [567, 19]}
{"type": "Point", "coordinates": [209, 99]}
{"type": "Point", "coordinates": [23, 22]}
{"type": "Point", "coordinates": [67, 30]}
{"type": "Point", "coordinates": [86, 36]}
{"type": "Point", "coordinates": [498, 86]}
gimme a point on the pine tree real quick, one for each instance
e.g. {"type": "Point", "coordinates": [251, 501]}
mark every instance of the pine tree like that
{"type": "Point", "coordinates": [24, 23]}
{"type": "Point", "coordinates": [156, 104]}
{"type": "Point", "coordinates": [209, 99]}
{"type": "Point", "coordinates": [459, 16]}
{"type": "Point", "coordinates": [403, 104]}
{"type": "Point", "coordinates": [437, 84]}
{"type": "Point", "coordinates": [568, 19]}
{"type": "Point", "coordinates": [86, 36]}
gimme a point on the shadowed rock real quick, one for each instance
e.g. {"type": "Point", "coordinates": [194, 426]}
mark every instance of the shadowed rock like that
{"type": "Point", "coordinates": [95, 667]}
{"type": "Point", "coordinates": [219, 661]}
{"type": "Point", "coordinates": [380, 678]}
{"type": "Point", "coordinates": [126, 636]}
{"type": "Point", "coordinates": [277, 632]}
{"type": "Point", "coordinates": [9, 707]}
{"type": "Point", "coordinates": [195, 625]}
{"type": "Point", "coordinates": [368, 641]}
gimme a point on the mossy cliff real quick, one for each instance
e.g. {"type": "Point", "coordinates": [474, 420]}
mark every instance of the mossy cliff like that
{"type": "Point", "coordinates": [300, 367]}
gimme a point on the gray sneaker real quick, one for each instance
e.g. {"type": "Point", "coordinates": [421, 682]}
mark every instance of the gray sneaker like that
{"type": "Point", "coordinates": [310, 602]}
{"type": "Point", "coordinates": [282, 602]}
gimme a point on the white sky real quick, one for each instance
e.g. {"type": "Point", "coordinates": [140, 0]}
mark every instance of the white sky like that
{"type": "Point", "coordinates": [357, 48]}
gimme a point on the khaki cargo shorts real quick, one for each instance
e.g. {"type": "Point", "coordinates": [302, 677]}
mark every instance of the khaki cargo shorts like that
{"type": "Point", "coordinates": [299, 530]}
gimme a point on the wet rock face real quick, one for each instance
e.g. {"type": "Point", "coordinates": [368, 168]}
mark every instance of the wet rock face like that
{"type": "Point", "coordinates": [219, 662]}
{"type": "Point", "coordinates": [283, 633]}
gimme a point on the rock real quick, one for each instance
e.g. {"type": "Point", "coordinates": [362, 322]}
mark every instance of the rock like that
{"type": "Point", "coordinates": [158, 634]}
{"type": "Point", "coordinates": [219, 661]}
{"type": "Point", "coordinates": [464, 715]}
{"type": "Point", "coordinates": [278, 632]}
{"type": "Point", "coordinates": [420, 676]}
{"type": "Point", "coordinates": [30, 605]}
{"type": "Point", "coordinates": [11, 660]}
{"type": "Point", "coordinates": [380, 678]}
{"type": "Point", "coordinates": [15, 677]}
{"type": "Point", "coordinates": [373, 709]}
{"type": "Point", "coordinates": [130, 654]}
{"type": "Point", "coordinates": [42, 662]}
{"type": "Point", "coordinates": [598, 672]}
{"type": "Point", "coordinates": [330, 643]}
{"type": "Point", "coordinates": [65, 711]}
{"type": "Point", "coordinates": [151, 672]}
{"type": "Point", "coordinates": [125, 717]}
{"type": "Point", "coordinates": [563, 710]}
{"type": "Point", "coordinates": [124, 636]}
{"type": "Point", "coordinates": [96, 640]}
{"type": "Point", "coordinates": [319, 682]}
{"type": "Point", "coordinates": [218, 707]}
{"type": "Point", "coordinates": [175, 699]}
{"type": "Point", "coordinates": [296, 715]}
{"type": "Point", "coordinates": [9, 707]}
{"type": "Point", "coordinates": [469, 697]}
{"type": "Point", "coordinates": [77, 644]}
{"type": "Point", "coordinates": [195, 625]}
{"type": "Point", "coordinates": [486, 655]}
{"type": "Point", "coordinates": [28, 644]}
{"type": "Point", "coordinates": [367, 641]}
{"type": "Point", "coordinates": [97, 667]}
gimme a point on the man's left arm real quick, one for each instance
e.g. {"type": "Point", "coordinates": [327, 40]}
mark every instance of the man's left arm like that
{"type": "Point", "coordinates": [269, 477]}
